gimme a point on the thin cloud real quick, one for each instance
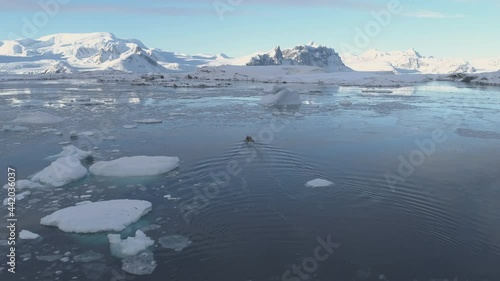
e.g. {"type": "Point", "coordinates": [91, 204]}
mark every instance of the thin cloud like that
{"type": "Point", "coordinates": [432, 15]}
{"type": "Point", "coordinates": [198, 7]}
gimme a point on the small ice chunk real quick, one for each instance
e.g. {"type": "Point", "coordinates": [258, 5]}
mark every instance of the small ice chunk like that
{"type": "Point", "coordinates": [88, 256]}
{"type": "Point", "coordinates": [175, 242]}
{"type": "Point", "coordinates": [345, 102]}
{"type": "Point", "coordinates": [37, 117]}
{"type": "Point", "coordinates": [18, 197]}
{"type": "Point", "coordinates": [28, 235]}
{"type": "Point", "coordinates": [141, 264]}
{"type": "Point", "coordinates": [87, 133]}
{"type": "Point", "coordinates": [63, 171]}
{"type": "Point", "coordinates": [74, 151]}
{"type": "Point", "coordinates": [149, 121]}
{"type": "Point", "coordinates": [130, 126]}
{"type": "Point", "coordinates": [49, 258]}
{"type": "Point", "coordinates": [169, 197]}
{"type": "Point", "coordinates": [73, 134]}
{"type": "Point", "coordinates": [83, 203]}
{"type": "Point", "coordinates": [136, 166]}
{"type": "Point", "coordinates": [284, 97]}
{"type": "Point", "coordinates": [113, 215]}
{"type": "Point", "coordinates": [10, 128]}
{"type": "Point", "coordinates": [130, 246]}
{"type": "Point", "coordinates": [319, 183]}
{"type": "Point", "coordinates": [24, 184]}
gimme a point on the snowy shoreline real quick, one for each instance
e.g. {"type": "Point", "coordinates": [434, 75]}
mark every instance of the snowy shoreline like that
{"type": "Point", "coordinates": [222, 76]}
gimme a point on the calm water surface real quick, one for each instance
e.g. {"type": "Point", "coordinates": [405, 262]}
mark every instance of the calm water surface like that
{"type": "Point", "coordinates": [438, 220]}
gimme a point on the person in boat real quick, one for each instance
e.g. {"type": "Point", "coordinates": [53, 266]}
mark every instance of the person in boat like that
{"type": "Point", "coordinates": [249, 139]}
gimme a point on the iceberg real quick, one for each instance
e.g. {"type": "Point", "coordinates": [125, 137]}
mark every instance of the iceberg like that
{"type": "Point", "coordinates": [284, 97]}
{"type": "Point", "coordinates": [74, 151]}
{"type": "Point", "coordinates": [63, 171]}
{"type": "Point", "coordinates": [113, 215]}
{"type": "Point", "coordinates": [130, 246]}
{"type": "Point", "coordinates": [137, 166]}
{"type": "Point", "coordinates": [28, 235]}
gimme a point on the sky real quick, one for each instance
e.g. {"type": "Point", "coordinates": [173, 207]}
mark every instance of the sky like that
{"type": "Point", "coordinates": [440, 28]}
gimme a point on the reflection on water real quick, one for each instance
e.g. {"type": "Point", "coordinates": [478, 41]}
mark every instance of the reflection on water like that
{"type": "Point", "coordinates": [441, 221]}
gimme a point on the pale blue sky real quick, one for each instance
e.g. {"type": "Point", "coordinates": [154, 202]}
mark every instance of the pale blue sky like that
{"type": "Point", "coordinates": [442, 28]}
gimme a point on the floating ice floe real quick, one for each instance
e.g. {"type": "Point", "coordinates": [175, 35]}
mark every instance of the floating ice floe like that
{"type": "Point", "coordinates": [130, 246]}
{"type": "Point", "coordinates": [38, 117]}
{"type": "Point", "coordinates": [141, 264]}
{"type": "Point", "coordinates": [24, 184]}
{"type": "Point", "coordinates": [284, 97]}
{"type": "Point", "coordinates": [135, 166]}
{"type": "Point", "coordinates": [63, 171]}
{"type": "Point", "coordinates": [175, 242]}
{"type": "Point", "coordinates": [319, 183]}
{"type": "Point", "coordinates": [11, 128]}
{"type": "Point", "coordinates": [114, 215]}
{"type": "Point", "coordinates": [19, 197]}
{"type": "Point", "coordinates": [28, 235]}
{"type": "Point", "coordinates": [88, 256]}
{"type": "Point", "coordinates": [129, 126]}
{"type": "Point", "coordinates": [73, 151]}
{"type": "Point", "coordinates": [149, 121]}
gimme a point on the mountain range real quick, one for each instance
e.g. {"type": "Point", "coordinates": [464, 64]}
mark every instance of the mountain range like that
{"type": "Point", "coordinates": [102, 51]}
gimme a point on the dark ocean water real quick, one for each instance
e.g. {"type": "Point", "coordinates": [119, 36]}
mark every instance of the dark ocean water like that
{"type": "Point", "coordinates": [416, 175]}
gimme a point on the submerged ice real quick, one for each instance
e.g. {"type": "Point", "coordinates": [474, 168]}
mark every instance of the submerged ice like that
{"type": "Point", "coordinates": [136, 166]}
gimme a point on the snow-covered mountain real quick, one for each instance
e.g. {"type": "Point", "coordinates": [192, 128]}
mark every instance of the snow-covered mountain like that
{"type": "Point", "coordinates": [67, 53]}
{"type": "Point", "coordinates": [308, 55]}
{"type": "Point", "coordinates": [412, 61]}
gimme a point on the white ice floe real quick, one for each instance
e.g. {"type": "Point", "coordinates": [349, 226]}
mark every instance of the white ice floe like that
{"type": "Point", "coordinates": [18, 197]}
{"type": "Point", "coordinates": [28, 235]}
{"type": "Point", "coordinates": [319, 183]}
{"type": "Point", "coordinates": [129, 126]}
{"type": "Point", "coordinates": [284, 97]}
{"type": "Point", "coordinates": [38, 117]}
{"type": "Point", "coordinates": [88, 256]}
{"type": "Point", "coordinates": [86, 133]}
{"type": "Point", "coordinates": [114, 215]}
{"type": "Point", "coordinates": [175, 242]}
{"type": "Point", "coordinates": [11, 128]}
{"type": "Point", "coordinates": [135, 166]}
{"type": "Point", "coordinates": [63, 171]}
{"type": "Point", "coordinates": [73, 151]}
{"type": "Point", "coordinates": [149, 121]}
{"type": "Point", "coordinates": [24, 184]}
{"type": "Point", "coordinates": [141, 264]}
{"type": "Point", "coordinates": [130, 246]}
